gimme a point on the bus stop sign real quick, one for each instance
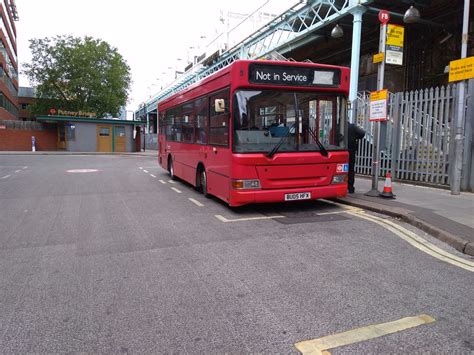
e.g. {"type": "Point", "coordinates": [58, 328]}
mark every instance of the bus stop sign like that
{"type": "Point", "coordinates": [384, 17]}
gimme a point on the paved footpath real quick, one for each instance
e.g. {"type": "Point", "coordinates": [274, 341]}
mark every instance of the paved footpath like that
{"type": "Point", "coordinates": [445, 216]}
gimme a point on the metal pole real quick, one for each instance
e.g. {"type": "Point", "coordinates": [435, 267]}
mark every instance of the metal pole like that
{"type": "Point", "coordinates": [459, 127]}
{"type": "Point", "coordinates": [355, 60]}
{"type": "Point", "coordinates": [376, 137]}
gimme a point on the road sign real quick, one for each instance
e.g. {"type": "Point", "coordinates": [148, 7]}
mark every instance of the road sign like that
{"type": "Point", "coordinates": [384, 17]}
{"type": "Point", "coordinates": [461, 69]}
{"type": "Point", "coordinates": [377, 58]}
{"type": "Point", "coordinates": [394, 45]}
{"type": "Point", "coordinates": [395, 35]}
{"type": "Point", "coordinates": [378, 105]}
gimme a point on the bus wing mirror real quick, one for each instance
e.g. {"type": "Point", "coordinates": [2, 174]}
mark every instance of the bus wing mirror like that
{"type": "Point", "coordinates": [219, 105]}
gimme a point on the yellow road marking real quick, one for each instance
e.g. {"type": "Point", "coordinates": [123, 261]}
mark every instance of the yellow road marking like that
{"type": "Point", "coordinates": [339, 212]}
{"type": "Point", "coordinates": [226, 220]}
{"type": "Point", "coordinates": [418, 242]}
{"type": "Point", "coordinates": [321, 345]}
{"type": "Point", "coordinates": [196, 202]}
{"type": "Point", "coordinates": [162, 181]}
{"type": "Point", "coordinates": [410, 237]}
{"type": "Point", "coordinates": [152, 175]}
{"type": "Point", "coordinates": [176, 190]}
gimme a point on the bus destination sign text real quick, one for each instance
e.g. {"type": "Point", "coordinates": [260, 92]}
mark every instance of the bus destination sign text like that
{"type": "Point", "coordinates": [291, 76]}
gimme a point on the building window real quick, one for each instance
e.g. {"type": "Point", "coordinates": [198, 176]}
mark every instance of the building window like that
{"type": "Point", "coordinates": [71, 132]}
{"type": "Point", "coordinates": [8, 105]}
{"type": "Point", "coordinates": [104, 132]}
{"type": "Point", "coordinates": [119, 131]}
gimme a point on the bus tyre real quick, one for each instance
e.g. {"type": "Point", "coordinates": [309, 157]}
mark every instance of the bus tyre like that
{"type": "Point", "coordinates": [203, 181]}
{"type": "Point", "coordinates": [171, 168]}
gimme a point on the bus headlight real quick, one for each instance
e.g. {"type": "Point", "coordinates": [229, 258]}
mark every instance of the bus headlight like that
{"type": "Point", "coordinates": [339, 179]}
{"type": "Point", "coordinates": [246, 184]}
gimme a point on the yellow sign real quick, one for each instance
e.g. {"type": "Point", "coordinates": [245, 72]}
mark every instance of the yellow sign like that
{"type": "Point", "coordinates": [395, 35]}
{"type": "Point", "coordinates": [461, 69]}
{"type": "Point", "coordinates": [379, 95]}
{"type": "Point", "coordinates": [377, 58]}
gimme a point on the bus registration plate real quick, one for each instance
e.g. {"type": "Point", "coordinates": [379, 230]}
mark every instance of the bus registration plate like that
{"type": "Point", "coordinates": [298, 196]}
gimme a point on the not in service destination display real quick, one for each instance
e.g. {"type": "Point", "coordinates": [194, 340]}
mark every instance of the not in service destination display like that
{"type": "Point", "coordinates": [293, 76]}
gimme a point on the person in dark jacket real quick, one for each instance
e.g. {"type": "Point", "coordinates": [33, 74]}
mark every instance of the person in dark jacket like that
{"type": "Point", "coordinates": [354, 134]}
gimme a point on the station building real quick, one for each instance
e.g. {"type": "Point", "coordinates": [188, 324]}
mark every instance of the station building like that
{"type": "Point", "coordinates": [78, 133]}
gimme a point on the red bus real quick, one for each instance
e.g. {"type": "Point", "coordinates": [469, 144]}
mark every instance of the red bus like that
{"type": "Point", "coordinates": [260, 131]}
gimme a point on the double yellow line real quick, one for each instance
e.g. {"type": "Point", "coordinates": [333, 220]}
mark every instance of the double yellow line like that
{"type": "Point", "coordinates": [416, 241]}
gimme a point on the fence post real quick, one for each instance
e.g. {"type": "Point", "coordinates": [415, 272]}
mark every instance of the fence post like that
{"type": "Point", "coordinates": [467, 180]}
{"type": "Point", "coordinates": [395, 148]}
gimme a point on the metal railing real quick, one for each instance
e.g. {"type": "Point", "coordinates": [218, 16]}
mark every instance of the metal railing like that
{"type": "Point", "coordinates": [418, 135]}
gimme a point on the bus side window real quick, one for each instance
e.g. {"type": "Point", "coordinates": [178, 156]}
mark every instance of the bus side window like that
{"type": "Point", "coordinates": [188, 122]}
{"type": "Point", "coordinates": [201, 114]}
{"type": "Point", "coordinates": [219, 121]}
{"type": "Point", "coordinates": [169, 122]}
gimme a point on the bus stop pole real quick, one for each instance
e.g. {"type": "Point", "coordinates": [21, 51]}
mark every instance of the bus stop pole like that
{"type": "Point", "coordinates": [376, 136]}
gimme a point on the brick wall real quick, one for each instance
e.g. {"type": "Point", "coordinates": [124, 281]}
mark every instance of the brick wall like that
{"type": "Point", "coordinates": [20, 140]}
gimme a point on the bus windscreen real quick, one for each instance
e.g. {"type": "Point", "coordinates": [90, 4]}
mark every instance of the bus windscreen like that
{"type": "Point", "coordinates": [288, 121]}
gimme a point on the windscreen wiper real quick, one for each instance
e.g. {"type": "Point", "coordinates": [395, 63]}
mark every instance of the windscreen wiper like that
{"type": "Point", "coordinates": [320, 145]}
{"type": "Point", "coordinates": [277, 146]}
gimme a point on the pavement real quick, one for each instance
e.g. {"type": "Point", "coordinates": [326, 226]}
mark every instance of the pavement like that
{"type": "Point", "coordinates": [446, 217]}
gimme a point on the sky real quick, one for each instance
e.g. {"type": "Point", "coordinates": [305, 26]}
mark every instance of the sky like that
{"type": "Point", "coordinates": [155, 37]}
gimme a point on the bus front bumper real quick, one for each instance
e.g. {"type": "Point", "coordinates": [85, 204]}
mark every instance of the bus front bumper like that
{"type": "Point", "coordinates": [244, 197]}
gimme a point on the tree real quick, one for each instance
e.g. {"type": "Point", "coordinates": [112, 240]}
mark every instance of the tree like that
{"type": "Point", "coordinates": [77, 74]}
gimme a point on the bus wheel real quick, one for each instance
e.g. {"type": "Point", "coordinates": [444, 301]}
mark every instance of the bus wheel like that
{"type": "Point", "coordinates": [171, 168]}
{"type": "Point", "coordinates": [203, 181]}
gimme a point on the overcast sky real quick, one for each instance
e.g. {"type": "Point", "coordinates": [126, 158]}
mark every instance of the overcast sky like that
{"type": "Point", "coordinates": [150, 34]}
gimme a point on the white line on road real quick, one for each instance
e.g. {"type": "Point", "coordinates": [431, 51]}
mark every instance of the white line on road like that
{"type": "Point", "coordinates": [17, 171]}
{"type": "Point", "coordinates": [145, 171]}
{"type": "Point", "coordinates": [176, 190]}
{"type": "Point", "coordinates": [196, 202]}
{"type": "Point", "coordinates": [152, 175]}
{"type": "Point", "coordinates": [226, 220]}
{"type": "Point", "coordinates": [25, 167]}
{"type": "Point", "coordinates": [162, 181]}
{"type": "Point", "coordinates": [6, 177]}
{"type": "Point", "coordinates": [140, 168]}
{"type": "Point", "coordinates": [321, 345]}
{"type": "Point", "coordinates": [417, 241]}
{"type": "Point", "coordinates": [172, 182]}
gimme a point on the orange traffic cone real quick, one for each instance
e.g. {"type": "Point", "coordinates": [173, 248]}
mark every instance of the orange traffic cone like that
{"type": "Point", "coordinates": [387, 188]}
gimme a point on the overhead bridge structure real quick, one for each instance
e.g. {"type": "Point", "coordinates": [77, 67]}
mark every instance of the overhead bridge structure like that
{"type": "Point", "coordinates": [293, 28]}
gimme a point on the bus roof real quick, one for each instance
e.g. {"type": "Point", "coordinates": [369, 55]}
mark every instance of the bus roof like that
{"type": "Point", "coordinates": [266, 74]}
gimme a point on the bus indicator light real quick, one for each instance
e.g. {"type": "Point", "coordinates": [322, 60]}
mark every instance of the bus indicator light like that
{"type": "Point", "coordinates": [339, 179]}
{"type": "Point", "coordinates": [246, 184]}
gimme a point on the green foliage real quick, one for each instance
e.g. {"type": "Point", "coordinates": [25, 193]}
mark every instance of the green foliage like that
{"type": "Point", "coordinates": [78, 74]}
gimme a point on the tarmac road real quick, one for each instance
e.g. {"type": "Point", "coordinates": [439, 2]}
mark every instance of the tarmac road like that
{"type": "Point", "coordinates": [118, 259]}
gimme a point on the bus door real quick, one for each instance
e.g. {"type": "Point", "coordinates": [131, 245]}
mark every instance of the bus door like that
{"type": "Point", "coordinates": [323, 119]}
{"type": "Point", "coordinates": [218, 157]}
